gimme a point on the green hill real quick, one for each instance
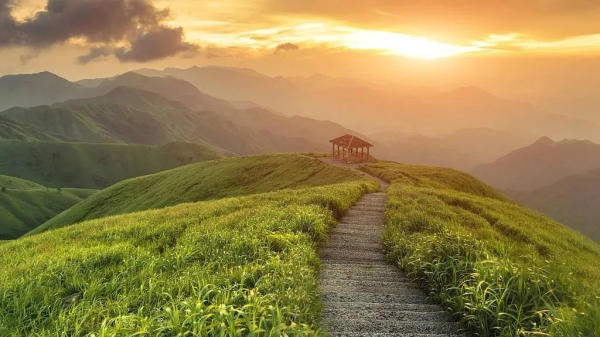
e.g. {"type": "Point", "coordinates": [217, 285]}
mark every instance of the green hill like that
{"type": "Point", "coordinates": [573, 200]}
{"type": "Point", "coordinates": [126, 115]}
{"type": "Point", "coordinates": [242, 266]}
{"type": "Point", "coordinates": [504, 270]}
{"type": "Point", "coordinates": [12, 129]}
{"type": "Point", "coordinates": [18, 184]}
{"type": "Point", "coordinates": [24, 205]}
{"type": "Point", "coordinates": [204, 181]}
{"type": "Point", "coordinates": [95, 166]}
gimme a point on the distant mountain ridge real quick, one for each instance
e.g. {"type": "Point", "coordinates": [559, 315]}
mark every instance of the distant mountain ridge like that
{"type": "Point", "coordinates": [364, 107]}
{"type": "Point", "coordinates": [540, 164]}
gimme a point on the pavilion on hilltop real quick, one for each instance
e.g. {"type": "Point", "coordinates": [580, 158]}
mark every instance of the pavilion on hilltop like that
{"type": "Point", "coordinates": [351, 149]}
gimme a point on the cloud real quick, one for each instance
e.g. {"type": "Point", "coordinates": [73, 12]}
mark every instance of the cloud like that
{"type": "Point", "coordinates": [94, 54]}
{"type": "Point", "coordinates": [286, 47]}
{"type": "Point", "coordinates": [157, 44]}
{"type": "Point", "coordinates": [107, 24]}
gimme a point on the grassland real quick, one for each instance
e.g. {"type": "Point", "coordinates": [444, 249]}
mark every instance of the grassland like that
{"type": "Point", "coordinates": [204, 181]}
{"type": "Point", "coordinates": [242, 266]}
{"type": "Point", "coordinates": [502, 269]}
{"type": "Point", "coordinates": [24, 205]}
{"type": "Point", "coordinates": [95, 166]}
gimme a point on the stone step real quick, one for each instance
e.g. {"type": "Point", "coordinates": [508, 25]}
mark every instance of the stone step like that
{"type": "Point", "coordinates": [382, 315]}
{"type": "Point", "coordinates": [385, 270]}
{"type": "Point", "coordinates": [362, 274]}
{"type": "Point", "coordinates": [375, 298]}
{"type": "Point", "coordinates": [354, 237]}
{"type": "Point", "coordinates": [370, 284]}
{"type": "Point", "coordinates": [380, 206]}
{"type": "Point", "coordinates": [349, 255]}
{"type": "Point", "coordinates": [362, 246]}
{"type": "Point", "coordinates": [406, 290]}
{"type": "Point", "coordinates": [369, 208]}
{"type": "Point", "coordinates": [366, 325]}
{"type": "Point", "coordinates": [377, 334]}
{"type": "Point", "coordinates": [357, 262]}
{"type": "Point", "coordinates": [365, 234]}
{"type": "Point", "coordinates": [361, 227]}
{"type": "Point", "coordinates": [384, 306]}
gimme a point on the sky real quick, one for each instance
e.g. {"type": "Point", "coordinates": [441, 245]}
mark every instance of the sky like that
{"type": "Point", "coordinates": [436, 40]}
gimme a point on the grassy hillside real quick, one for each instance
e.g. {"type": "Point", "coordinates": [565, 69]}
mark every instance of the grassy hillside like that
{"type": "Point", "coordinates": [204, 181]}
{"type": "Point", "coordinates": [18, 184]}
{"type": "Point", "coordinates": [244, 266]}
{"type": "Point", "coordinates": [25, 205]}
{"type": "Point", "coordinates": [573, 200]}
{"type": "Point", "coordinates": [126, 115]}
{"type": "Point", "coordinates": [12, 129]}
{"type": "Point", "coordinates": [503, 269]}
{"type": "Point", "coordinates": [96, 166]}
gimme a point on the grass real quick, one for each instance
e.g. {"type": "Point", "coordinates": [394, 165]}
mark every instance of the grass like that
{"type": "Point", "coordinates": [18, 184]}
{"type": "Point", "coordinates": [24, 205]}
{"type": "Point", "coordinates": [94, 166]}
{"type": "Point", "coordinates": [503, 270]}
{"type": "Point", "coordinates": [205, 181]}
{"type": "Point", "coordinates": [243, 266]}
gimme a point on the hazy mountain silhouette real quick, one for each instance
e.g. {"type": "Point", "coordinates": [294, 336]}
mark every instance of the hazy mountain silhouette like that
{"type": "Point", "coordinates": [574, 201]}
{"type": "Point", "coordinates": [463, 149]}
{"type": "Point", "coordinates": [540, 164]}
{"type": "Point", "coordinates": [365, 107]}
{"type": "Point", "coordinates": [35, 89]}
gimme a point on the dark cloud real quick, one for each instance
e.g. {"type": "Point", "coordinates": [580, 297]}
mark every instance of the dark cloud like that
{"type": "Point", "coordinates": [136, 23]}
{"type": "Point", "coordinates": [94, 54]}
{"type": "Point", "coordinates": [157, 44]}
{"type": "Point", "coordinates": [286, 47]}
{"type": "Point", "coordinates": [460, 19]}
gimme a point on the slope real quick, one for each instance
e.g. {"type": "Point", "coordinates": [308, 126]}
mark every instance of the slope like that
{"type": "Point", "coordinates": [18, 184]}
{"type": "Point", "coordinates": [573, 200]}
{"type": "Point", "coordinates": [540, 164]}
{"type": "Point", "coordinates": [96, 166]}
{"type": "Point", "coordinates": [12, 129]}
{"type": "Point", "coordinates": [495, 264]}
{"type": "Point", "coordinates": [203, 181]}
{"type": "Point", "coordinates": [237, 266]}
{"type": "Point", "coordinates": [126, 115]}
{"type": "Point", "coordinates": [25, 205]}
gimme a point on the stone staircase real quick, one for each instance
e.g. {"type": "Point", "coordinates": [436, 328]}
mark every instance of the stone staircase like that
{"type": "Point", "coordinates": [363, 295]}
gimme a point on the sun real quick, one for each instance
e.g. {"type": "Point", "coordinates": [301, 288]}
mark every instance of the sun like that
{"type": "Point", "coordinates": [402, 44]}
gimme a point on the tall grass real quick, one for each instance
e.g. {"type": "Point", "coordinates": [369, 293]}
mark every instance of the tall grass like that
{"type": "Point", "coordinates": [243, 266]}
{"type": "Point", "coordinates": [501, 269]}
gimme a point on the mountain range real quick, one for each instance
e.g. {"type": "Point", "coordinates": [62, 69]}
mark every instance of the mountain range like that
{"type": "Point", "coordinates": [540, 164]}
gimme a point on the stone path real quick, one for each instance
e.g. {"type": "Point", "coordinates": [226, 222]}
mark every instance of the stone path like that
{"type": "Point", "coordinates": [362, 294]}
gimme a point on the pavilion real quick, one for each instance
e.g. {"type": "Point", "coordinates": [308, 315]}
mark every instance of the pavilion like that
{"type": "Point", "coordinates": [351, 149]}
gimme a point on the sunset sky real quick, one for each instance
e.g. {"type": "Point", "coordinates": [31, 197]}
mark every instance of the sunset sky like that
{"type": "Point", "coordinates": [88, 38]}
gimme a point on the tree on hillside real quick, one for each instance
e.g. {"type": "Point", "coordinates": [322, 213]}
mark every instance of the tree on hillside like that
{"type": "Point", "coordinates": [59, 190]}
{"type": "Point", "coordinates": [3, 189]}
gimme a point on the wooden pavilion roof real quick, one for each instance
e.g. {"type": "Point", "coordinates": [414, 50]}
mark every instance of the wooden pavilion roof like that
{"type": "Point", "coordinates": [350, 142]}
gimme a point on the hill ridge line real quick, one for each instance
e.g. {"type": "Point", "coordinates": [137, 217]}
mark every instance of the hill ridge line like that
{"type": "Point", "coordinates": [362, 294]}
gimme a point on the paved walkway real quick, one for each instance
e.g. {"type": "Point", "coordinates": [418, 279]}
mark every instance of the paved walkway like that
{"type": "Point", "coordinates": [362, 294]}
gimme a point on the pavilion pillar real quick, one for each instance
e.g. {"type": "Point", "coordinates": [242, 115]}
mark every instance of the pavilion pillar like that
{"type": "Point", "coordinates": [333, 149]}
{"type": "Point", "coordinates": [368, 155]}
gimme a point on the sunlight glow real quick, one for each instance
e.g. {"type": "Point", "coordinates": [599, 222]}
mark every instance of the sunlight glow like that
{"type": "Point", "coordinates": [401, 44]}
